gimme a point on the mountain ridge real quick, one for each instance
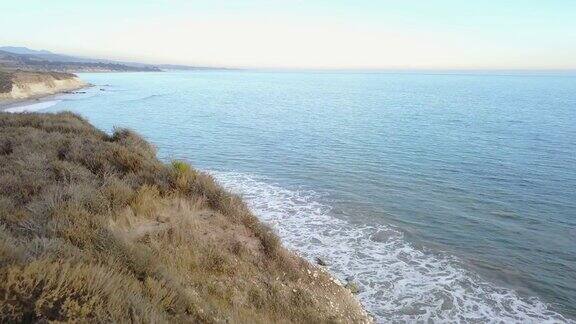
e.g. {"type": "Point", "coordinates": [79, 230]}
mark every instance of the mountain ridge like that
{"type": "Point", "coordinates": [44, 60]}
{"type": "Point", "coordinates": [23, 50]}
{"type": "Point", "coordinates": [30, 62]}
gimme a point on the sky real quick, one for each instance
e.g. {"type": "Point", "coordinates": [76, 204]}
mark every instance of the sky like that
{"type": "Point", "coordinates": [299, 34]}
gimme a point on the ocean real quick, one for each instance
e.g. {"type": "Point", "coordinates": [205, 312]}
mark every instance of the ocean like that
{"type": "Point", "coordinates": [446, 197]}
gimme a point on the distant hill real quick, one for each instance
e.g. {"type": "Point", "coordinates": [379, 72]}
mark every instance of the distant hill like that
{"type": "Point", "coordinates": [23, 58]}
{"type": "Point", "coordinates": [54, 57]}
{"type": "Point", "coordinates": [29, 59]}
{"type": "Point", "coordinates": [23, 50]}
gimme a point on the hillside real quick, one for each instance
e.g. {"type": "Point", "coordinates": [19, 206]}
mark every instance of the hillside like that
{"type": "Point", "coordinates": [61, 63]}
{"type": "Point", "coordinates": [94, 228]}
{"type": "Point", "coordinates": [18, 85]}
{"type": "Point", "coordinates": [24, 50]}
{"type": "Point", "coordinates": [81, 64]}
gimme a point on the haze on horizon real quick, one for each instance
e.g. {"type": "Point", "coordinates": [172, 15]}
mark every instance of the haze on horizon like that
{"type": "Point", "coordinates": [337, 34]}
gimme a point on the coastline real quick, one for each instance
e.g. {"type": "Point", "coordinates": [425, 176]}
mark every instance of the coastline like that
{"type": "Point", "coordinates": [316, 265]}
{"type": "Point", "coordinates": [35, 87]}
{"type": "Point", "coordinates": [7, 105]}
{"type": "Point", "coordinates": [335, 240]}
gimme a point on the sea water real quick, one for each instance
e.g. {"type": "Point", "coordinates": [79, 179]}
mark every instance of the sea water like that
{"type": "Point", "coordinates": [445, 197]}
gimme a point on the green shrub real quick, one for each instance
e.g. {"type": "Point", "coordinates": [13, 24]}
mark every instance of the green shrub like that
{"type": "Point", "coordinates": [181, 167]}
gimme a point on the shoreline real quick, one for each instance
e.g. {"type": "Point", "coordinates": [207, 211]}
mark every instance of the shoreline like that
{"type": "Point", "coordinates": [335, 240]}
{"type": "Point", "coordinates": [21, 87]}
{"type": "Point", "coordinates": [13, 103]}
{"type": "Point", "coordinates": [317, 265]}
{"type": "Point", "coordinates": [40, 98]}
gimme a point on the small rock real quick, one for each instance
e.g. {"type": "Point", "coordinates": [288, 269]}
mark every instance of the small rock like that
{"type": "Point", "coordinates": [321, 261]}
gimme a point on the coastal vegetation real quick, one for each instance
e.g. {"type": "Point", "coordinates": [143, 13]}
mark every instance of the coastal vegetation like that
{"type": "Point", "coordinates": [94, 228]}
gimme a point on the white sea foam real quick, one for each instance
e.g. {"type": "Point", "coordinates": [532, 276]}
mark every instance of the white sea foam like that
{"type": "Point", "coordinates": [398, 282]}
{"type": "Point", "coordinates": [33, 107]}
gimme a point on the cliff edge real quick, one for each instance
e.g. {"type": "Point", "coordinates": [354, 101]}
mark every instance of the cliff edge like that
{"type": "Point", "coordinates": [94, 228]}
{"type": "Point", "coordinates": [20, 85]}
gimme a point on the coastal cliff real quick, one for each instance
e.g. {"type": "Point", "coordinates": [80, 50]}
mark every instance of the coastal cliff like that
{"type": "Point", "coordinates": [20, 85]}
{"type": "Point", "coordinates": [94, 228]}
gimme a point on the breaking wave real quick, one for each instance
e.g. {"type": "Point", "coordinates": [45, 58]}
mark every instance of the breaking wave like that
{"type": "Point", "coordinates": [398, 282]}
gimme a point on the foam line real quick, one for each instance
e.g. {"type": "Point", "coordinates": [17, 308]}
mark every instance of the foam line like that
{"type": "Point", "coordinates": [398, 282]}
{"type": "Point", "coordinates": [33, 107]}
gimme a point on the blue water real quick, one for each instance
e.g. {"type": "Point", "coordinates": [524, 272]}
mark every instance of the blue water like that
{"type": "Point", "coordinates": [447, 197]}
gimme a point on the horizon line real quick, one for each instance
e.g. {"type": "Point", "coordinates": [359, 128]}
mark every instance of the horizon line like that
{"type": "Point", "coordinates": [319, 69]}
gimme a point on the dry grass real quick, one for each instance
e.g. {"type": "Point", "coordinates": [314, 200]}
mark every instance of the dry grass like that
{"type": "Point", "coordinates": [94, 228]}
{"type": "Point", "coordinates": [5, 81]}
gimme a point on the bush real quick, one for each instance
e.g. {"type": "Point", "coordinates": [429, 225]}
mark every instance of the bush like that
{"type": "Point", "coordinates": [181, 167]}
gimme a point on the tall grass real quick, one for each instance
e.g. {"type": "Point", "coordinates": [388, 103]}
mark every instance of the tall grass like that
{"type": "Point", "coordinates": [94, 228]}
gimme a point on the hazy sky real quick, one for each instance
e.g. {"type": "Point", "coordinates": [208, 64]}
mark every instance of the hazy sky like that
{"type": "Point", "coordinates": [362, 34]}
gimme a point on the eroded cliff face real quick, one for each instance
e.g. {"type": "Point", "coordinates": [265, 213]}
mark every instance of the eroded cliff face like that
{"type": "Point", "coordinates": [24, 85]}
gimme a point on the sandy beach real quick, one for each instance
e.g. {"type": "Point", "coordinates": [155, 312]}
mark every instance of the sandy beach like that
{"type": "Point", "coordinates": [36, 103]}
